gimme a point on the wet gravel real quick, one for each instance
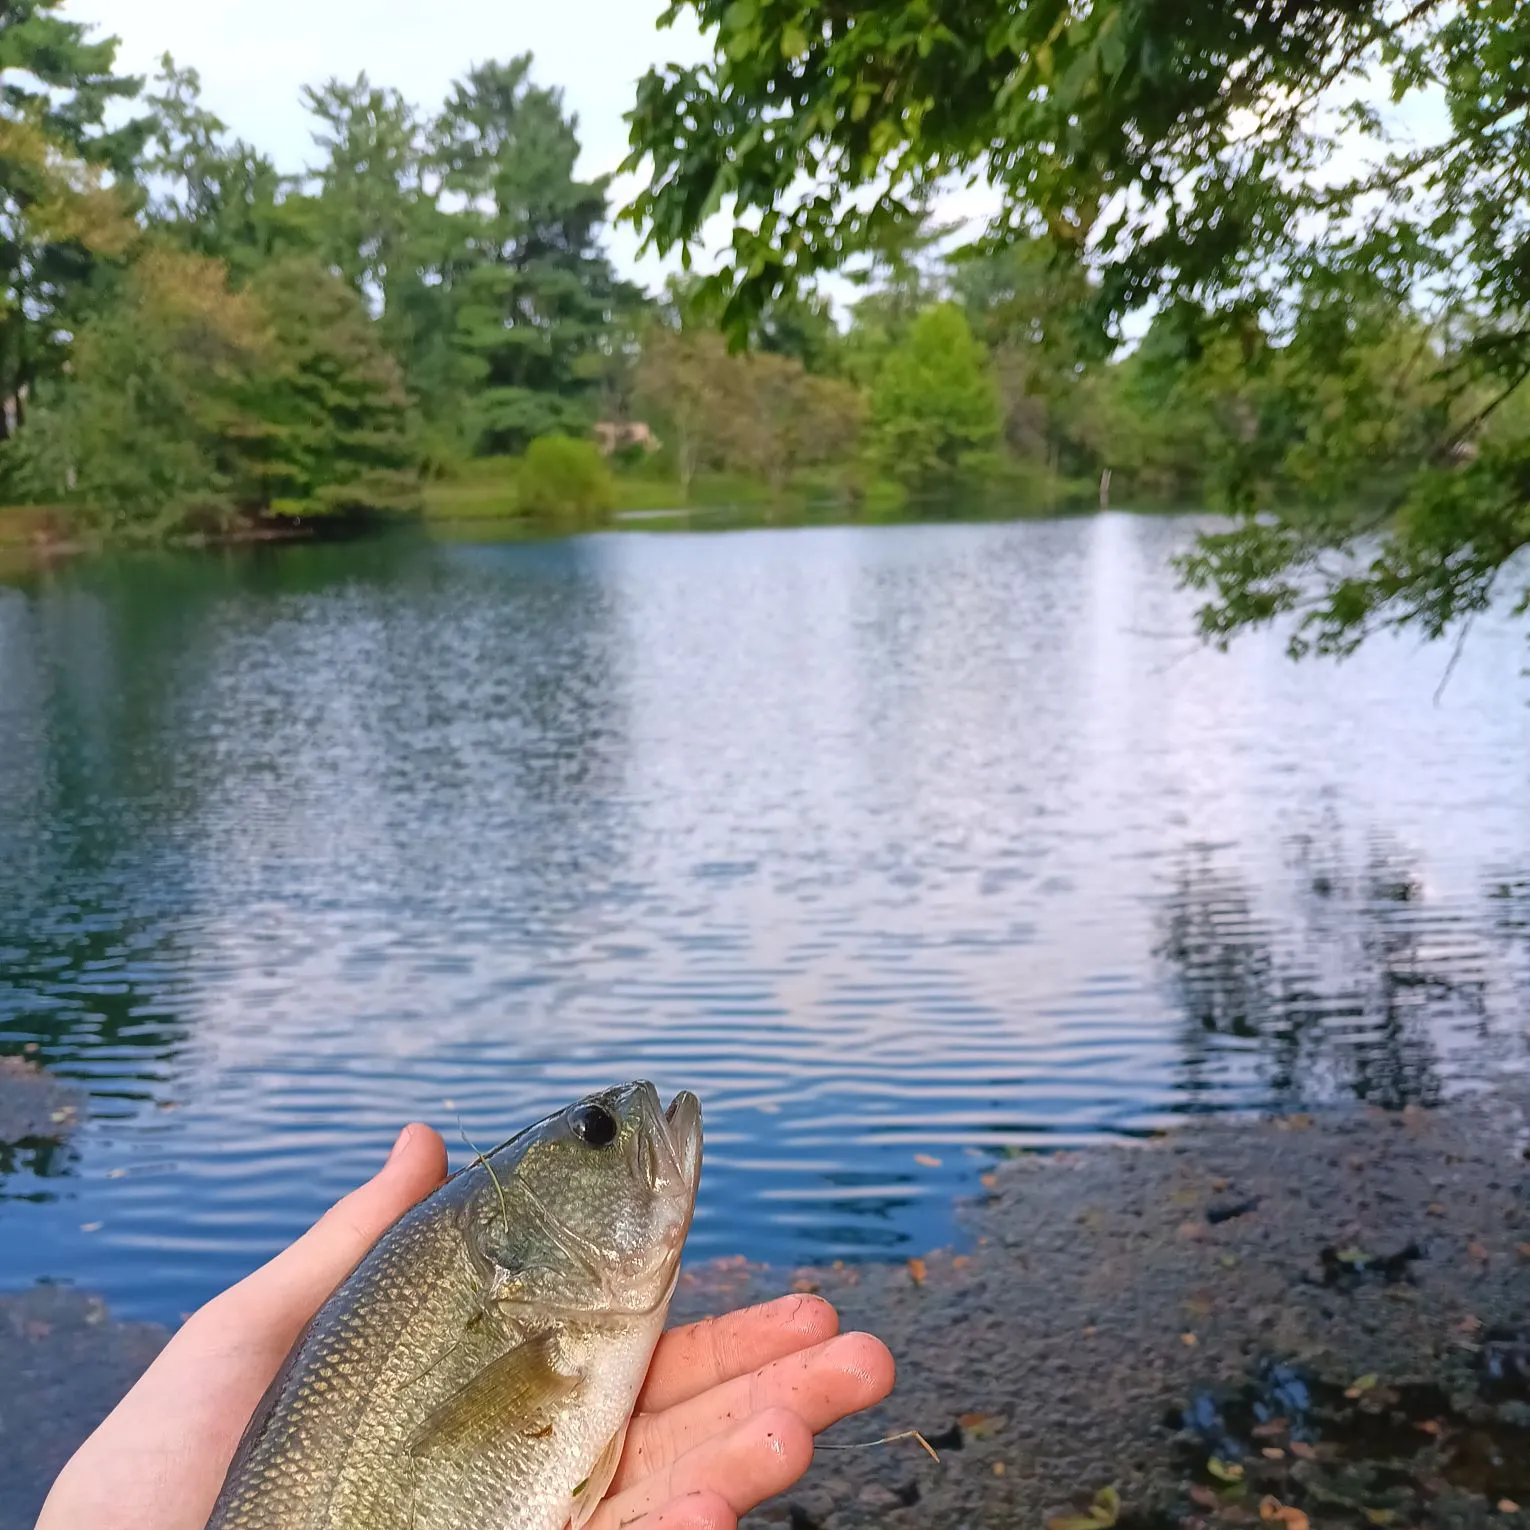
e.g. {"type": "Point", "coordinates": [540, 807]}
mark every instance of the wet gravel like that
{"type": "Point", "coordinates": [1109, 1293]}
{"type": "Point", "coordinates": [64, 1362]}
{"type": "Point", "coordinates": [1319, 1318]}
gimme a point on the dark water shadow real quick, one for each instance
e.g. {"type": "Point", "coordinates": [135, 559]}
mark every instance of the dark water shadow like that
{"type": "Point", "coordinates": [1349, 998]}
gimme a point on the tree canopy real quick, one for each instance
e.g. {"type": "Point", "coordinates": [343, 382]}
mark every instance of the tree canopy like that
{"type": "Point", "coordinates": [188, 333]}
{"type": "Point", "coordinates": [1277, 179]}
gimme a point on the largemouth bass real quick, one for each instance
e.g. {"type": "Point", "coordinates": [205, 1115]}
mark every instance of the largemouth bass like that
{"type": "Point", "coordinates": [478, 1368]}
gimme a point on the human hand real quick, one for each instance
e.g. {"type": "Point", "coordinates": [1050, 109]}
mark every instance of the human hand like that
{"type": "Point", "coordinates": [726, 1418]}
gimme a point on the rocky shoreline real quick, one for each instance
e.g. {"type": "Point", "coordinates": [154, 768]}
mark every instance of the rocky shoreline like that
{"type": "Point", "coordinates": [1312, 1320]}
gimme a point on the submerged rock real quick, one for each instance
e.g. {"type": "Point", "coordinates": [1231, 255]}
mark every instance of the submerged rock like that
{"type": "Point", "coordinates": [35, 1106]}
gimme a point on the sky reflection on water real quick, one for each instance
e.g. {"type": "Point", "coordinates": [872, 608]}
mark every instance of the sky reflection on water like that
{"type": "Point", "coordinates": [935, 841]}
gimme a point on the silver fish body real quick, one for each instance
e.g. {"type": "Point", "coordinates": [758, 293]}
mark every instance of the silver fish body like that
{"type": "Point", "coordinates": [478, 1368]}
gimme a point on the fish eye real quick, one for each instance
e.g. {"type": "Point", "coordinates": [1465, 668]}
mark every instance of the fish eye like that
{"type": "Point", "coordinates": [594, 1125]}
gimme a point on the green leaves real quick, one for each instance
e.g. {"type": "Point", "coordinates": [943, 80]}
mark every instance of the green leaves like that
{"type": "Point", "coordinates": [1188, 155]}
{"type": "Point", "coordinates": [933, 404]}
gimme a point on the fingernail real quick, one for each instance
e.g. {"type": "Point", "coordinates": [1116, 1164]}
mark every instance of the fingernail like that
{"type": "Point", "coordinates": [399, 1144]}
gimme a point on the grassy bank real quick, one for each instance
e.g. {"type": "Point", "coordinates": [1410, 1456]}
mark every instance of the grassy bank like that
{"type": "Point", "coordinates": [33, 526]}
{"type": "Point", "coordinates": [482, 497]}
{"type": "Point", "coordinates": [488, 489]}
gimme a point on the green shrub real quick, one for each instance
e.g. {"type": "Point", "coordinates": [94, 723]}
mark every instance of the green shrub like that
{"type": "Point", "coordinates": [561, 479]}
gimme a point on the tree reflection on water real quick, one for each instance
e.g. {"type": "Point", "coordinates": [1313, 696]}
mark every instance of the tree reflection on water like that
{"type": "Point", "coordinates": [1360, 990]}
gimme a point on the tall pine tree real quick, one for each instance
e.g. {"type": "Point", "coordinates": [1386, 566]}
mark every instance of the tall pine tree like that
{"type": "Point", "coordinates": [534, 294]}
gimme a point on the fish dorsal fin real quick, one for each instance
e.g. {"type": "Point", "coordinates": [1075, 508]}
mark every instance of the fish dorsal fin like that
{"type": "Point", "coordinates": [589, 1492]}
{"type": "Point", "coordinates": [514, 1394]}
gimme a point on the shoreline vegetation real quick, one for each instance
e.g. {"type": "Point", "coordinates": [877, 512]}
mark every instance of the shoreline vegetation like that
{"type": "Point", "coordinates": [483, 498]}
{"type": "Point", "coordinates": [1313, 1319]}
{"type": "Point", "coordinates": [424, 325]}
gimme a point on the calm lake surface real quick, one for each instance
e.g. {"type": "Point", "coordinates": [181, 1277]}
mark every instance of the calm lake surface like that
{"type": "Point", "coordinates": [905, 847]}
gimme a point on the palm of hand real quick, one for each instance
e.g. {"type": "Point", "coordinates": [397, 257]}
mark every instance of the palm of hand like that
{"type": "Point", "coordinates": [726, 1418]}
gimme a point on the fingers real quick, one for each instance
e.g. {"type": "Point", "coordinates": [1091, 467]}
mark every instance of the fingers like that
{"type": "Point", "coordinates": [820, 1385]}
{"type": "Point", "coordinates": [746, 1465]}
{"type": "Point", "coordinates": [287, 1292]}
{"type": "Point", "coordinates": [696, 1511]}
{"type": "Point", "coordinates": [694, 1359]}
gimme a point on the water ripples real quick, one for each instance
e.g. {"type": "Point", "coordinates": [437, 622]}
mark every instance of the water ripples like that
{"type": "Point", "coordinates": [905, 847]}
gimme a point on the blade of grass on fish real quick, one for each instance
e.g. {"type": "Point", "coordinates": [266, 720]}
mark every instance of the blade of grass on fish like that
{"type": "Point", "coordinates": [499, 1189]}
{"type": "Point", "coordinates": [887, 1439]}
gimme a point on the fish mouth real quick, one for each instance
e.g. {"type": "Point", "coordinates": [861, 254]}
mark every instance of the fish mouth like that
{"type": "Point", "coordinates": [666, 1148]}
{"type": "Point", "coordinates": [682, 1129]}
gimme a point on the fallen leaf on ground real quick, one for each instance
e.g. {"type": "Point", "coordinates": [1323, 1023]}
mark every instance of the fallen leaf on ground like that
{"type": "Point", "coordinates": [1274, 1510]}
{"type": "Point", "coordinates": [1507, 1506]}
{"type": "Point", "coordinates": [1203, 1496]}
{"type": "Point", "coordinates": [1224, 1471]}
{"type": "Point", "coordinates": [917, 1271]}
{"type": "Point", "coordinates": [1273, 1453]}
{"type": "Point", "coordinates": [1189, 1339]}
{"type": "Point", "coordinates": [980, 1425]}
{"type": "Point", "coordinates": [1228, 1261]}
{"type": "Point", "coordinates": [927, 1159]}
{"type": "Point", "coordinates": [1302, 1450]}
{"type": "Point", "coordinates": [1435, 1209]}
{"type": "Point", "coordinates": [1360, 1385]}
{"type": "Point", "coordinates": [1193, 1229]}
{"type": "Point", "coordinates": [1429, 1425]}
{"type": "Point", "coordinates": [998, 1468]}
{"type": "Point", "coordinates": [989, 1181]}
{"type": "Point", "coordinates": [1269, 1430]}
{"type": "Point", "coordinates": [1381, 1516]}
{"type": "Point", "coordinates": [1477, 1251]}
{"type": "Point", "coordinates": [1103, 1513]}
{"type": "Point", "coordinates": [961, 1262]}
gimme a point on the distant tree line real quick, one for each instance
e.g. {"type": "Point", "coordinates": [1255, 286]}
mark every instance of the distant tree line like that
{"type": "Point", "coordinates": [189, 336]}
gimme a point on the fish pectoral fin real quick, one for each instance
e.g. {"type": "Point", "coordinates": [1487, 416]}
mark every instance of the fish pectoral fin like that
{"type": "Point", "coordinates": [514, 1394]}
{"type": "Point", "coordinates": [588, 1494]}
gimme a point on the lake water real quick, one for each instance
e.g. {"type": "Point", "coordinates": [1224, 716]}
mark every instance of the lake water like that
{"type": "Point", "coordinates": [906, 847]}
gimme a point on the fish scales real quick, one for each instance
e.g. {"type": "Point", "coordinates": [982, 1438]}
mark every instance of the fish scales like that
{"type": "Point", "coordinates": [477, 1370]}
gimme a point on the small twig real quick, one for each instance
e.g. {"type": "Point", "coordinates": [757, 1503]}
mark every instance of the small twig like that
{"type": "Point", "coordinates": [888, 1439]}
{"type": "Point", "coordinates": [499, 1189]}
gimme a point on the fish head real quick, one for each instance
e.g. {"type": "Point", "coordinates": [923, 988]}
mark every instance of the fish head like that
{"type": "Point", "coordinates": [596, 1210]}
